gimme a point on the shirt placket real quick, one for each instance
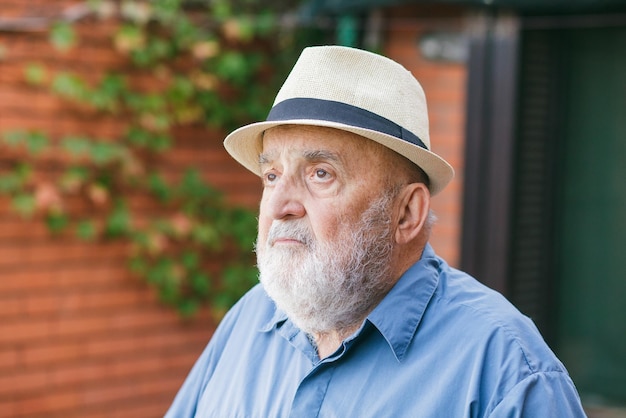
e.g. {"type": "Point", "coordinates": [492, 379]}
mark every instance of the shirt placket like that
{"type": "Point", "coordinates": [312, 391]}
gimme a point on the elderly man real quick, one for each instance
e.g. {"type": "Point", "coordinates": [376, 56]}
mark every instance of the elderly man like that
{"type": "Point", "coordinates": [355, 315]}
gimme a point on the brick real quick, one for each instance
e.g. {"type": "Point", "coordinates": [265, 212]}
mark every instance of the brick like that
{"type": "Point", "coordinates": [9, 357]}
{"type": "Point", "coordinates": [61, 278]}
{"type": "Point", "coordinates": [18, 381]}
{"type": "Point", "coordinates": [49, 252]}
{"type": "Point", "coordinates": [50, 405]}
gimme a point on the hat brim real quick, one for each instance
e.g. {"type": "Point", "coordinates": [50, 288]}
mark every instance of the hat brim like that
{"type": "Point", "coordinates": [245, 145]}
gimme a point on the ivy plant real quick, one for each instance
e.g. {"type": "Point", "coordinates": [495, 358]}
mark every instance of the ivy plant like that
{"type": "Point", "coordinates": [218, 69]}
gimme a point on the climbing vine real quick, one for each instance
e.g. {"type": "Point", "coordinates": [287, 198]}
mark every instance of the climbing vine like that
{"type": "Point", "coordinates": [217, 65]}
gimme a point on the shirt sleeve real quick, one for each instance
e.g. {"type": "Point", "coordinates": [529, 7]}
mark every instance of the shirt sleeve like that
{"type": "Point", "coordinates": [186, 401]}
{"type": "Point", "coordinates": [542, 394]}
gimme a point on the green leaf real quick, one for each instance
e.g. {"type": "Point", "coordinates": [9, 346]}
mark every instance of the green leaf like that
{"type": "Point", "coordinates": [130, 38]}
{"type": "Point", "coordinates": [62, 36]}
{"type": "Point", "coordinates": [159, 272]}
{"type": "Point", "coordinates": [185, 32]}
{"type": "Point", "coordinates": [232, 66]}
{"type": "Point", "coordinates": [180, 90]}
{"type": "Point", "coordinates": [246, 28]}
{"type": "Point", "coordinates": [113, 84]}
{"type": "Point", "coordinates": [206, 234]}
{"type": "Point", "coordinates": [102, 101]}
{"type": "Point", "coordinates": [107, 96]}
{"type": "Point", "coordinates": [166, 10]}
{"type": "Point", "coordinates": [160, 143]}
{"type": "Point", "coordinates": [138, 265]}
{"type": "Point", "coordinates": [200, 284]}
{"type": "Point", "coordinates": [24, 204]}
{"type": "Point", "coordinates": [238, 278]}
{"type": "Point", "coordinates": [266, 23]}
{"type": "Point", "coordinates": [157, 121]}
{"type": "Point", "coordinates": [189, 260]}
{"type": "Point", "coordinates": [57, 222]}
{"type": "Point", "coordinates": [159, 48]}
{"type": "Point", "coordinates": [35, 74]}
{"type": "Point", "coordinates": [118, 223]}
{"type": "Point", "coordinates": [36, 142]}
{"type": "Point", "coordinates": [9, 183]}
{"type": "Point", "coordinates": [193, 187]}
{"type": "Point", "coordinates": [138, 136]}
{"type": "Point", "coordinates": [23, 171]}
{"type": "Point", "coordinates": [242, 226]}
{"type": "Point", "coordinates": [15, 180]}
{"type": "Point", "coordinates": [69, 86]}
{"type": "Point", "coordinates": [14, 138]}
{"type": "Point", "coordinates": [188, 308]}
{"type": "Point", "coordinates": [158, 186]}
{"type": "Point", "coordinates": [145, 103]}
{"type": "Point", "coordinates": [102, 8]}
{"type": "Point", "coordinates": [104, 152]}
{"type": "Point", "coordinates": [222, 9]}
{"type": "Point", "coordinates": [77, 146]}
{"type": "Point", "coordinates": [86, 230]}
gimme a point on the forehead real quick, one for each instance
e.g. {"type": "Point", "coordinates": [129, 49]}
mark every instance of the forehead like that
{"type": "Point", "coordinates": [334, 143]}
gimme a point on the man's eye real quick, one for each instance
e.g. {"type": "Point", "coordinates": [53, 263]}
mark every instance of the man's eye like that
{"type": "Point", "coordinates": [321, 174]}
{"type": "Point", "coordinates": [270, 177]}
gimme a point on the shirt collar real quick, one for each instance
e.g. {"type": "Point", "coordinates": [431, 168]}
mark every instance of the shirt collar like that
{"type": "Point", "coordinates": [399, 314]}
{"type": "Point", "coordinates": [276, 320]}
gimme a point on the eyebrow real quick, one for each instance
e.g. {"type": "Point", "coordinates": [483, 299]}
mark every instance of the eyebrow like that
{"type": "Point", "coordinates": [321, 155]}
{"type": "Point", "coordinates": [264, 159]}
{"type": "Point", "coordinates": [309, 155]}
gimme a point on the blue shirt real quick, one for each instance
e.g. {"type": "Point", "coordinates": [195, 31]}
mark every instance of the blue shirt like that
{"type": "Point", "coordinates": [440, 344]}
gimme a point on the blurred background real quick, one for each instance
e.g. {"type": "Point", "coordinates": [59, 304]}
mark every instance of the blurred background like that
{"type": "Point", "coordinates": [126, 231]}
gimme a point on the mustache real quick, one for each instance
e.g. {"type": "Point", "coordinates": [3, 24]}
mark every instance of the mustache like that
{"type": "Point", "coordinates": [295, 230]}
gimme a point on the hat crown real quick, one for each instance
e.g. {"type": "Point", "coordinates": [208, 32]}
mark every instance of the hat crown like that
{"type": "Point", "coordinates": [355, 91]}
{"type": "Point", "coordinates": [362, 79]}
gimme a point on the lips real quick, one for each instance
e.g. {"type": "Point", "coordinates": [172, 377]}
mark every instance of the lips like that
{"type": "Point", "coordinates": [286, 241]}
{"type": "Point", "coordinates": [289, 233]}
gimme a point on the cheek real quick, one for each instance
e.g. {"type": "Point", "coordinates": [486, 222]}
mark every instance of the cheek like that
{"type": "Point", "coordinates": [326, 222]}
{"type": "Point", "coordinates": [264, 226]}
{"type": "Point", "coordinates": [265, 221]}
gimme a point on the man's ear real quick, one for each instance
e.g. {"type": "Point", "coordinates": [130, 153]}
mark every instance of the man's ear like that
{"type": "Point", "coordinates": [414, 204]}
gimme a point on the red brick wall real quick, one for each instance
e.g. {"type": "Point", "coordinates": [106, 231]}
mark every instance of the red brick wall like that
{"type": "Point", "coordinates": [444, 84]}
{"type": "Point", "coordinates": [80, 337]}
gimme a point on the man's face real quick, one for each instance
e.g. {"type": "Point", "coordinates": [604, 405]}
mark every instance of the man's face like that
{"type": "Point", "coordinates": [325, 234]}
{"type": "Point", "coordinates": [322, 175]}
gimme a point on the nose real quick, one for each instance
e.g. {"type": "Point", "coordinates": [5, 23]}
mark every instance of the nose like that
{"type": "Point", "coordinates": [283, 200]}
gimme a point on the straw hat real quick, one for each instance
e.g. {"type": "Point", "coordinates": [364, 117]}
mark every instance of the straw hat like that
{"type": "Point", "coordinates": [355, 91]}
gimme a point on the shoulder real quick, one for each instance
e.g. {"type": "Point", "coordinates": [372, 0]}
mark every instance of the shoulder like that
{"type": "Point", "coordinates": [254, 309]}
{"type": "Point", "coordinates": [502, 347]}
{"type": "Point", "coordinates": [495, 349]}
{"type": "Point", "coordinates": [494, 322]}
{"type": "Point", "coordinates": [238, 327]}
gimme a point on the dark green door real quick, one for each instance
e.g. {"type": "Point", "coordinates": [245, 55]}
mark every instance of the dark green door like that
{"type": "Point", "coordinates": [590, 214]}
{"type": "Point", "coordinates": [564, 221]}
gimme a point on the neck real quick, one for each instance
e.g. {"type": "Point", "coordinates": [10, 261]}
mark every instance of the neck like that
{"type": "Point", "coordinates": [328, 342]}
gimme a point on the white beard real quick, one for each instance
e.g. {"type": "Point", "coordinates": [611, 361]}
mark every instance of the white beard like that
{"type": "Point", "coordinates": [329, 286]}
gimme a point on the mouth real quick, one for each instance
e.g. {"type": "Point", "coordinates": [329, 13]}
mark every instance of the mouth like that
{"type": "Point", "coordinates": [285, 241]}
{"type": "Point", "coordinates": [283, 234]}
